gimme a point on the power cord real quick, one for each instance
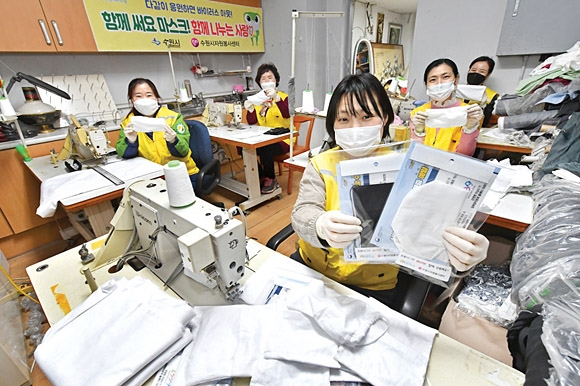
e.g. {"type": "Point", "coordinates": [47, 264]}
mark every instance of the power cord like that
{"type": "Point", "coordinates": [16, 286]}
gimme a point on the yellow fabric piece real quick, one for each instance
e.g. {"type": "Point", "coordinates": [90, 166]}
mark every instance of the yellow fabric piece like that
{"type": "Point", "coordinates": [155, 149]}
{"type": "Point", "coordinates": [444, 139]}
{"type": "Point", "coordinates": [330, 261]}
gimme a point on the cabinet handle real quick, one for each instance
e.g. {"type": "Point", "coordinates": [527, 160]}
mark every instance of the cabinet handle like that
{"type": "Point", "coordinates": [56, 30]}
{"type": "Point", "coordinates": [44, 32]}
{"type": "Point", "coordinates": [516, 7]}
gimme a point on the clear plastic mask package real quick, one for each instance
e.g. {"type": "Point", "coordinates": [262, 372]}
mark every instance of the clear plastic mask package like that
{"type": "Point", "coordinates": [418, 194]}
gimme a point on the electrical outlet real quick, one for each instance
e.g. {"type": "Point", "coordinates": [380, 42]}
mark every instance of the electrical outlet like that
{"type": "Point", "coordinates": [68, 233]}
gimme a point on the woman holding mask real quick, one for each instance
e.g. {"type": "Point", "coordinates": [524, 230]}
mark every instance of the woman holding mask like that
{"type": "Point", "coordinates": [441, 78]}
{"type": "Point", "coordinates": [358, 118]}
{"type": "Point", "coordinates": [273, 112]}
{"type": "Point", "coordinates": [157, 146]}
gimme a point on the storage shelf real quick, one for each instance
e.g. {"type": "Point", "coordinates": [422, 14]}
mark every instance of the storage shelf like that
{"type": "Point", "coordinates": [224, 73]}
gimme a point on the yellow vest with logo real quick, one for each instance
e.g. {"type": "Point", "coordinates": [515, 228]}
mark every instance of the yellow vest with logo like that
{"type": "Point", "coordinates": [156, 149]}
{"type": "Point", "coordinates": [274, 116]}
{"type": "Point", "coordinates": [330, 261]}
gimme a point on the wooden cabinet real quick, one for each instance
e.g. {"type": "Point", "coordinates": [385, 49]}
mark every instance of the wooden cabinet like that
{"type": "Point", "coordinates": [45, 26]}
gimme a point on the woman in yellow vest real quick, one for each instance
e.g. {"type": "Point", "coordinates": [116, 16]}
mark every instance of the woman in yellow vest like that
{"type": "Point", "coordinates": [358, 118]}
{"type": "Point", "coordinates": [158, 146]}
{"type": "Point", "coordinates": [441, 78]}
{"type": "Point", "coordinates": [273, 112]}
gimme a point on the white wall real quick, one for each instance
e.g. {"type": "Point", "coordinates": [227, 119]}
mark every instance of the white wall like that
{"type": "Point", "coordinates": [463, 30]}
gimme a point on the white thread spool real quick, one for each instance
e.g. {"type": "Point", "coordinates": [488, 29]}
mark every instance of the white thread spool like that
{"type": "Point", "coordinates": [393, 86]}
{"type": "Point", "coordinates": [307, 101]}
{"type": "Point", "coordinates": [7, 109]}
{"type": "Point", "coordinates": [179, 186]}
{"type": "Point", "coordinates": [183, 97]}
{"type": "Point", "coordinates": [327, 101]}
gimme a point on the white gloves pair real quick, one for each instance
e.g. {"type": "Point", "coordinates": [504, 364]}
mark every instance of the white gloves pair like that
{"type": "Point", "coordinates": [131, 133]}
{"type": "Point", "coordinates": [474, 115]}
{"type": "Point", "coordinates": [466, 248]}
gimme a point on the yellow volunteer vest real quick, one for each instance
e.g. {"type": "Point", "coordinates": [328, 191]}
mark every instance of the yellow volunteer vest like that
{"type": "Point", "coordinates": [445, 139]}
{"type": "Point", "coordinates": [274, 116]}
{"type": "Point", "coordinates": [156, 149]}
{"type": "Point", "coordinates": [330, 261]}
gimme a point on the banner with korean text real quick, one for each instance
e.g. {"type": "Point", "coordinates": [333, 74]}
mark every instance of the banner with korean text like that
{"type": "Point", "coordinates": [184, 26]}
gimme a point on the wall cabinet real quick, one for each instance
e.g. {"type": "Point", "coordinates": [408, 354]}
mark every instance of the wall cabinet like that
{"type": "Point", "coordinates": [45, 26]}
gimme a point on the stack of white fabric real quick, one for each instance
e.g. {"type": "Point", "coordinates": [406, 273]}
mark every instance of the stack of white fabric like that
{"type": "Point", "coordinates": [121, 335]}
{"type": "Point", "coordinates": [316, 337]}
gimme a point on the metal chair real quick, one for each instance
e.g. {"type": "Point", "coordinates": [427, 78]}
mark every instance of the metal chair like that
{"type": "Point", "coordinates": [201, 151]}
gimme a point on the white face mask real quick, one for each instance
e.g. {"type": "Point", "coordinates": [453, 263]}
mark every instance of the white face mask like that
{"type": "Point", "coordinates": [146, 106]}
{"type": "Point", "coordinates": [440, 92]}
{"type": "Point", "coordinates": [358, 141]}
{"type": "Point", "coordinates": [266, 85]}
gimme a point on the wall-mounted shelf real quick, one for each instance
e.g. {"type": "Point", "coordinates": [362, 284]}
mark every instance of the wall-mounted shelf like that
{"type": "Point", "coordinates": [246, 65]}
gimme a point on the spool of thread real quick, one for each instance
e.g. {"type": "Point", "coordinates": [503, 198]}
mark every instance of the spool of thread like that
{"type": "Point", "coordinates": [187, 85]}
{"type": "Point", "coordinates": [307, 101]}
{"type": "Point", "coordinates": [183, 97]}
{"type": "Point", "coordinates": [6, 108]}
{"type": "Point", "coordinates": [327, 100]}
{"type": "Point", "coordinates": [179, 186]}
{"type": "Point", "coordinates": [393, 86]}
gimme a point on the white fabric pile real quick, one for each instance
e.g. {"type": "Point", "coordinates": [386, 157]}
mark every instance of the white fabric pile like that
{"type": "Point", "coordinates": [121, 335]}
{"type": "Point", "coordinates": [317, 336]}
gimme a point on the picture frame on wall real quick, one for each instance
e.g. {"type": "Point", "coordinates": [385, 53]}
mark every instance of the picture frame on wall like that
{"type": "Point", "coordinates": [395, 31]}
{"type": "Point", "coordinates": [380, 26]}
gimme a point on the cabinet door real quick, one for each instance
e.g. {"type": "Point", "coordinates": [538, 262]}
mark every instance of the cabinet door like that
{"type": "Point", "coordinates": [69, 24]}
{"type": "Point", "coordinates": [20, 28]}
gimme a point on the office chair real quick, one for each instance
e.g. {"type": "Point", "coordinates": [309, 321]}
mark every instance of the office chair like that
{"type": "Point", "coordinates": [298, 121]}
{"type": "Point", "coordinates": [416, 289]}
{"type": "Point", "coordinates": [201, 152]}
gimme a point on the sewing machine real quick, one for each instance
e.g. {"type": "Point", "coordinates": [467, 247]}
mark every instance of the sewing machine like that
{"type": "Point", "coordinates": [84, 142]}
{"type": "Point", "coordinates": [202, 240]}
{"type": "Point", "coordinates": [221, 114]}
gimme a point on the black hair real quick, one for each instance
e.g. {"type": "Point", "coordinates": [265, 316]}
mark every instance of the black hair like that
{"type": "Point", "coordinates": [265, 67]}
{"type": "Point", "coordinates": [363, 88]}
{"type": "Point", "coordinates": [437, 63]}
{"type": "Point", "coordinates": [490, 63]}
{"type": "Point", "coordinates": [137, 81]}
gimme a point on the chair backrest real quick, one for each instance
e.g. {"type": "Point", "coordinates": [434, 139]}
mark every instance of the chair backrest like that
{"type": "Point", "coordinates": [298, 121]}
{"type": "Point", "coordinates": [199, 143]}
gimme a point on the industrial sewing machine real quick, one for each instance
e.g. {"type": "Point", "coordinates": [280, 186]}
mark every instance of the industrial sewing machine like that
{"type": "Point", "coordinates": [84, 142]}
{"type": "Point", "coordinates": [203, 241]}
{"type": "Point", "coordinates": [222, 114]}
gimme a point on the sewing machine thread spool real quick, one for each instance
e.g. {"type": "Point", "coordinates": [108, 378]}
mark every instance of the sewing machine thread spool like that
{"type": "Point", "coordinates": [307, 101]}
{"type": "Point", "coordinates": [179, 186]}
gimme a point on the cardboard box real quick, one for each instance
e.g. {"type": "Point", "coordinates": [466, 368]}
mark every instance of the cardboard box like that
{"type": "Point", "coordinates": [477, 333]}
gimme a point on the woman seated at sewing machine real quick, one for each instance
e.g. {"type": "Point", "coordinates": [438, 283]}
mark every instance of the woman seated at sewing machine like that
{"type": "Point", "coordinates": [140, 137]}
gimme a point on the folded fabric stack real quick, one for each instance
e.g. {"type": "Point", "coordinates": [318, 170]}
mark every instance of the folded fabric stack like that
{"type": "Point", "coordinates": [121, 335]}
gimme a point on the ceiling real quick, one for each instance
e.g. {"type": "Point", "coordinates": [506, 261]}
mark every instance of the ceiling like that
{"type": "Point", "coordinates": [398, 6]}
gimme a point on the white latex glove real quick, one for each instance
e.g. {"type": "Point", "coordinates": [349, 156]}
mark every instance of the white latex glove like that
{"type": "Point", "coordinates": [130, 133]}
{"type": "Point", "coordinates": [249, 106]}
{"type": "Point", "coordinates": [170, 134]}
{"type": "Point", "coordinates": [474, 115]}
{"type": "Point", "coordinates": [419, 122]}
{"type": "Point", "coordinates": [466, 248]}
{"type": "Point", "coordinates": [272, 94]}
{"type": "Point", "coordinates": [337, 228]}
